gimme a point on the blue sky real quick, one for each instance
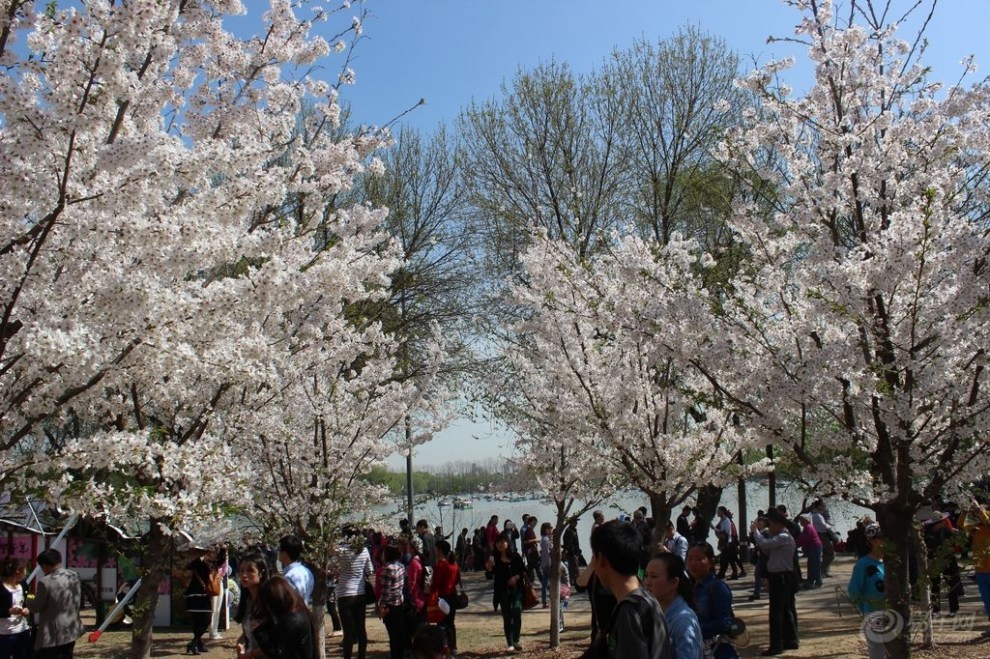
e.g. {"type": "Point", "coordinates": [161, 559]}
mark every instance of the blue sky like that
{"type": "Point", "coordinates": [451, 52]}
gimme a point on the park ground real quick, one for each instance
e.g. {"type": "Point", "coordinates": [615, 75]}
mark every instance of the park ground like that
{"type": "Point", "coordinates": [829, 628]}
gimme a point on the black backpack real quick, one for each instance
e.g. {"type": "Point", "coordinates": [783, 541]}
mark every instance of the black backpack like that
{"type": "Point", "coordinates": [601, 648]}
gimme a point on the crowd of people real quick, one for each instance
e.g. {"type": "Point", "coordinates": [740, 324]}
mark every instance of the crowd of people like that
{"type": "Point", "coordinates": [688, 579]}
{"type": "Point", "coordinates": [648, 601]}
{"type": "Point", "coordinates": [657, 601]}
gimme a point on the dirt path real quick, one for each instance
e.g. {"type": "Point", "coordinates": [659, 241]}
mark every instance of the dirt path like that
{"type": "Point", "coordinates": [829, 628]}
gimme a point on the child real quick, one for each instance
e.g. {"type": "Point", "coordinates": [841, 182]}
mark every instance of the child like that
{"type": "Point", "coordinates": [565, 593]}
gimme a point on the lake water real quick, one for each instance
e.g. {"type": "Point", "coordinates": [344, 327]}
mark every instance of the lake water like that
{"type": "Point", "coordinates": [844, 514]}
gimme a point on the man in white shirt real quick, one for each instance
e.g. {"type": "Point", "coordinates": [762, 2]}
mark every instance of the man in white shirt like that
{"type": "Point", "coordinates": [297, 574]}
{"type": "Point", "coordinates": [825, 532]}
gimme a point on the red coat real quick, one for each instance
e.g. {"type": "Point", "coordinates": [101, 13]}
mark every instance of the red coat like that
{"type": "Point", "coordinates": [491, 534]}
{"type": "Point", "coordinates": [445, 578]}
{"type": "Point", "coordinates": [416, 594]}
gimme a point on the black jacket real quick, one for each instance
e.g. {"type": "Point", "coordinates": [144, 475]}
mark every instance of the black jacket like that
{"type": "Point", "coordinates": [290, 637]}
{"type": "Point", "coordinates": [6, 601]}
{"type": "Point", "coordinates": [503, 571]}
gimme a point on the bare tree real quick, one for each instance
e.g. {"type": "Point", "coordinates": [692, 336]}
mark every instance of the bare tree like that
{"type": "Point", "coordinates": [679, 99]}
{"type": "Point", "coordinates": [543, 158]}
{"type": "Point", "coordinates": [434, 289]}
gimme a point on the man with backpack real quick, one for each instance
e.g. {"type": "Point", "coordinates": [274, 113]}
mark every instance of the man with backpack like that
{"type": "Point", "coordinates": [637, 629]}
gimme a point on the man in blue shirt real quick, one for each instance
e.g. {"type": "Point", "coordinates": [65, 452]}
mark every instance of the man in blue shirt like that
{"type": "Point", "coordinates": [289, 553]}
{"type": "Point", "coordinates": [674, 542]}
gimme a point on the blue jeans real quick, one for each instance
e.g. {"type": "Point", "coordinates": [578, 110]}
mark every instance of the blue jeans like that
{"type": "Point", "coordinates": [18, 646]}
{"type": "Point", "coordinates": [983, 583]}
{"type": "Point", "coordinates": [814, 566]}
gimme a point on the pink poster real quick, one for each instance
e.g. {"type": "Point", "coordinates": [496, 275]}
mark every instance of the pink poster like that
{"type": "Point", "coordinates": [19, 546]}
{"type": "Point", "coordinates": [83, 553]}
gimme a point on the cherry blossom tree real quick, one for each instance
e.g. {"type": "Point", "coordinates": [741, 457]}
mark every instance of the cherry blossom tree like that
{"type": "Point", "coordinates": [574, 479]}
{"type": "Point", "coordinates": [602, 385]}
{"type": "Point", "coordinates": [603, 350]}
{"type": "Point", "coordinates": [176, 282]}
{"type": "Point", "coordinates": [340, 419]}
{"type": "Point", "coordinates": [857, 334]}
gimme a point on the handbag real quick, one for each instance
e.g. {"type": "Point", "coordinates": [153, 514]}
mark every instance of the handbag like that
{"type": "Point", "coordinates": [737, 633]}
{"type": "Point", "coordinates": [369, 590]}
{"type": "Point", "coordinates": [530, 598]}
{"type": "Point", "coordinates": [737, 628]}
{"type": "Point", "coordinates": [213, 584]}
{"type": "Point", "coordinates": [460, 600]}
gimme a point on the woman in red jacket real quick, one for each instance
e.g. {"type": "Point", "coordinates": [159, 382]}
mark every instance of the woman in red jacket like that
{"type": "Point", "coordinates": [446, 576]}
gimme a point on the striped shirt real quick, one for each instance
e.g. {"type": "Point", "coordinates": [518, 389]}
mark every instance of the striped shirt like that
{"type": "Point", "coordinates": [351, 571]}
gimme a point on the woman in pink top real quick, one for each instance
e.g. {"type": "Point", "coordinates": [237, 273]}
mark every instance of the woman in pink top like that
{"type": "Point", "coordinates": [811, 544]}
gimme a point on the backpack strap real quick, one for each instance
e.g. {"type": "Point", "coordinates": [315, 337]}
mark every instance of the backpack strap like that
{"type": "Point", "coordinates": [641, 606]}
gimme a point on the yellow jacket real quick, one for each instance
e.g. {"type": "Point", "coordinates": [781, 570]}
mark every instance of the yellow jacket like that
{"type": "Point", "coordinates": [979, 529]}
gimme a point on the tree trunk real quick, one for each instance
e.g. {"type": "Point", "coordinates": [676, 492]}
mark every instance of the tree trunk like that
{"type": "Point", "coordinates": [896, 523]}
{"type": "Point", "coordinates": [924, 587]}
{"type": "Point", "coordinates": [154, 560]}
{"type": "Point", "coordinates": [743, 524]}
{"type": "Point", "coordinates": [554, 587]}
{"type": "Point", "coordinates": [320, 605]}
{"type": "Point", "coordinates": [741, 494]}
{"type": "Point", "coordinates": [708, 498]}
{"type": "Point", "coordinates": [660, 508]}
